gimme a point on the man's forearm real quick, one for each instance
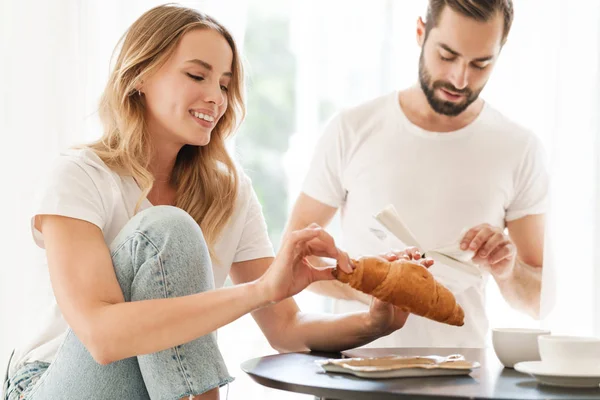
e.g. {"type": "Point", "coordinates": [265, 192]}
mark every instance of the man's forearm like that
{"type": "Point", "coordinates": [522, 288]}
{"type": "Point", "coordinates": [328, 332]}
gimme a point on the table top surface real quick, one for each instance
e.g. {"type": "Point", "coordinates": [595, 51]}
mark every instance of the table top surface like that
{"type": "Point", "coordinates": [298, 372]}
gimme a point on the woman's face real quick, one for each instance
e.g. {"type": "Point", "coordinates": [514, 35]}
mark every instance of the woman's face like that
{"type": "Point", "coordinates": [187, 96]}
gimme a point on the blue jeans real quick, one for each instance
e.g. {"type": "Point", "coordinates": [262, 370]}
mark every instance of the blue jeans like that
{"type": "Point", "coordinates": [160, 253]}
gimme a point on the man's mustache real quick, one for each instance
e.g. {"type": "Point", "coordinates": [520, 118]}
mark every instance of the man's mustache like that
{"type": "Point", "coordinates": [450, 87]}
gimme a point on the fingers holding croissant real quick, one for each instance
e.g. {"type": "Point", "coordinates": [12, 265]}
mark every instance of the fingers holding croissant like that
{"type": "Point", "coordinates": [407, 285]}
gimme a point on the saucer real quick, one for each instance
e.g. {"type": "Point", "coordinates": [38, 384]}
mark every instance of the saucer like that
{"type": "Point", "coordinates": [557, 375]}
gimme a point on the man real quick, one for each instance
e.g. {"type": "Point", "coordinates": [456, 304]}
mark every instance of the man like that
{"type": "Point", "coordinates": [448, 162]}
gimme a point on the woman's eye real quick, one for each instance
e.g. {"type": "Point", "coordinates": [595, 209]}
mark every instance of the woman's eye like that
{"type": "Point", "coordinates": [195, 77]}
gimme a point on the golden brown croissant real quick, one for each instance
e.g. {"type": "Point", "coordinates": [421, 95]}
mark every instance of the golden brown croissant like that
{"type": "Point", "coordinates": [405, 284]}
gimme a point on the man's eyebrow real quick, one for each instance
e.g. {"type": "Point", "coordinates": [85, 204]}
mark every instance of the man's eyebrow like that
{"type": "Point", "coordinates": [449, 50]}
{"type": "Point", "coordinates": [456, 53]}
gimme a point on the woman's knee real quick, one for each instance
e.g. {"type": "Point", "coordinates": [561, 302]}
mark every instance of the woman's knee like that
{"type": "Point", "coordinates": [163, 250]}
{"type": "Point", "coordinates": [167, 227]}
{"type": "Point", "coordinates": [169, 219]}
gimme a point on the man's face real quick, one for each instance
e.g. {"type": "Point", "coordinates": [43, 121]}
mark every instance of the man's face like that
{"type": "Point", "coordinates": [457, 58]}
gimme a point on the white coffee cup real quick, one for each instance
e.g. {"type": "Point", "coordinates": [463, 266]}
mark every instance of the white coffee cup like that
{"type": "Point", "coordinates": [571, 352]}
{"type": "Point", "coordinates": [514, 345]}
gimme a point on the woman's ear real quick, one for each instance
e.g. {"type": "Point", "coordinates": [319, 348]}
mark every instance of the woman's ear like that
{"type": "Point", "coordinates": [139, 88]}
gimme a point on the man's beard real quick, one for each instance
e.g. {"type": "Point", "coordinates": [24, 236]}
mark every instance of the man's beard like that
{"type": "Point", "coordinates": [442, 106]}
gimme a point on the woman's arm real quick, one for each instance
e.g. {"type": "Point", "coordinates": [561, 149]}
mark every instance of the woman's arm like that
{"type": "Point", "coordinates": [288, 329]}
{"type": "Point", "coordinates": [91, 300]}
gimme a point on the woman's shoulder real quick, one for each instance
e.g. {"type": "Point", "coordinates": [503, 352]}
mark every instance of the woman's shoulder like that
{"type": "Point", "coordinates": [83, 157]}
{"type": "Point", "coordinates": [80, 161]}
{"type": "Point", "coordinates": [78, 168]}
{"type": "Point", "coordinates": [244, 182]}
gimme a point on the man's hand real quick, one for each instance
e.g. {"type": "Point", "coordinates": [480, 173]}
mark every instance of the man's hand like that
{"type": "Point", "coordinates": [494, 250]}
{"type": "Point", "coordinates": [410, 253]}
{"type": "Point", "coordinates": [385, 317]}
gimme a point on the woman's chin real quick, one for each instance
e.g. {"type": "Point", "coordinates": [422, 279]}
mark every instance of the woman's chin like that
{"type": "Point", "coordinates": [198, 140]}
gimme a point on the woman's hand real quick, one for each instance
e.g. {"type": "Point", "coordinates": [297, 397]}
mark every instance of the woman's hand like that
{"type": "Point", "coordinates": [291, 272]}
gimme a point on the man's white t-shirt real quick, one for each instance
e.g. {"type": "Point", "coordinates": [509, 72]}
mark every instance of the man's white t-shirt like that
{"type": "Point", "coordinates": [81, 186]}
{"type": "Point", "coordinates": [369, 156]}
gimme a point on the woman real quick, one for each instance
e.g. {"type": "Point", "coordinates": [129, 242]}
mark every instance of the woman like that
{"type": "Point", "coordinates": [142, 227]}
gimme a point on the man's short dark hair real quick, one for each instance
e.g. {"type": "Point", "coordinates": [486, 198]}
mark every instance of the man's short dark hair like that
{"type": "Point", "coordinates": [480, 10]}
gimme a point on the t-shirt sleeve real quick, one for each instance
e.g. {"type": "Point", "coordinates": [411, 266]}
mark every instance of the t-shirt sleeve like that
{"type": "Point", "coordinates": [68, 190]}
{"type": "Point", "coordinates": [254, 242]}
{"type": "Point", "coordinates": [531, 183]}
{"type": "Point", "coordinates": [324, 180]}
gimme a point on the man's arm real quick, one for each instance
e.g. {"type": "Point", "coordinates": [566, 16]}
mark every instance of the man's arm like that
{"type": "Point", "coordinates": [522, 288]}
{"type": "Point", "coordinates": [515, 261]}
{"type": "Point", "coordinates": [306, 211]}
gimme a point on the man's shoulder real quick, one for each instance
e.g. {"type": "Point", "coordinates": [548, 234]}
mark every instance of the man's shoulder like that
{"type": "Point", "coordinates": [374, 106]}
{"type": "Point", "coordinates": [498, 121]}
{"type": "Point", "coordinates": [365, 117]}
{"type": "Point", "coordinates": [504, 129]}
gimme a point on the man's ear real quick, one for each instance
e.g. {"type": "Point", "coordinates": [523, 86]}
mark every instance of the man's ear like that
{"type": "Point", "coordinates": [420, 32]}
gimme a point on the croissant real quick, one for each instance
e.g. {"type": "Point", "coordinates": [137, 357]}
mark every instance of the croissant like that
{"type": "Point", "coordinates": [405, 284]}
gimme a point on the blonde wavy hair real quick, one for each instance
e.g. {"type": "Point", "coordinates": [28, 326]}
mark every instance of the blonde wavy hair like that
{"type": "Point", "coordinates": [205, 176]}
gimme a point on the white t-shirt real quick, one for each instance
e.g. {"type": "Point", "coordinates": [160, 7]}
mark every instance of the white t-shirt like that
{"type": "Point", "coordinates": [369, 156]}
{"type": "Point", "coordinates": [81, 186]}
